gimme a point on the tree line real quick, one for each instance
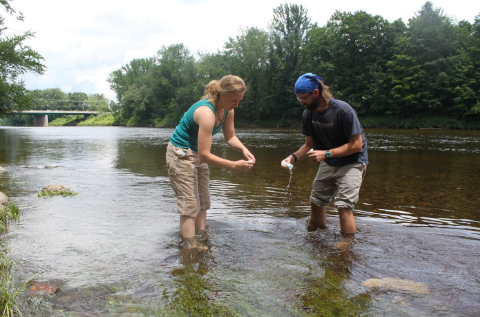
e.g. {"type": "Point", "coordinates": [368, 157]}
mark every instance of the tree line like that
{"type": "Point", "coordinates": [421, 73]}
{"type": "Point", "coordinates": [387, 71]}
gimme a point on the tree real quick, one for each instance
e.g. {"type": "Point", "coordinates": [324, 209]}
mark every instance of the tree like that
{"type": "Point", "coordinates": [49, 99]}
{"type": "Point", "coordinates": [350, 53]}
{"type": "Point", "coordinates": [126, 82]}
{"type": "Point", "coordinates": [175, 82]}
{"type": "Point", "coordinates": [248, 58]}
{"type": "Point", "coordinates": [16, 59]}
{"type": "Point", "coordinates": [426, 57]}
{"type": "Point", "coordinates": [288, 31]}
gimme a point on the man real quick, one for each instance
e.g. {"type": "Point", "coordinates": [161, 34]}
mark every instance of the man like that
{"type": "Point", "coordinates": [335, 138]}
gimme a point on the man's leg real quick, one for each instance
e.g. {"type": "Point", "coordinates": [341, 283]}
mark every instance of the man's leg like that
{"type": "Point", "coordinates": [318, 217]}
{"type": "Point", "coordinates": [347, 220]}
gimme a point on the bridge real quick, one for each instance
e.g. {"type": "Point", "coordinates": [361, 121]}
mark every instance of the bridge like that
{"type": "Point", "coordinates": [40, 118]}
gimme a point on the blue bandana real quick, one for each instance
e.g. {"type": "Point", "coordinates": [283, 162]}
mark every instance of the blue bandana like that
{"type": "Point", "coordinates": [307, 83]}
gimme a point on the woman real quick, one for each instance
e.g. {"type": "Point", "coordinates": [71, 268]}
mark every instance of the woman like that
{"type": "Point", "coordinates": [188, 152]}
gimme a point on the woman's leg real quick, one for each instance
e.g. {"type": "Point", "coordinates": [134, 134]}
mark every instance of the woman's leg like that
{"type": "Point", "coordinates": [187, 227]}
{"type": "Point", "coordinates": [201, 220]}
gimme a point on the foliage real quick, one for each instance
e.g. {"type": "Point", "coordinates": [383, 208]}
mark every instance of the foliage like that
{"type": "Point", "coordinates": [17, 120]}
{"type": "Point", "coordinates": [397, 71]}
{"type": "Point", "coordinates": [107, 119]}
{"type": "Point", "coordinates": [8, 212]}
{"type": "Point", "coordinates": [388, 70]}
{"type": "Point", "coordinates": [16, 59]}
{"type": "Point", "coordinates": [419, 122]}
{"type": "Point", "coordinates": [50, 193]}
{"type": "Point", "coordinates": [56, 99]}
{"type": "Point", "coordinates": [65, 120]}
{"type": "Point", "coordinates": [8, 294]}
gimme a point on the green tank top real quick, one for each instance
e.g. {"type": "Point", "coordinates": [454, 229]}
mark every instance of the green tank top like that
{"type": "Point", "coordinates": [186, 133]}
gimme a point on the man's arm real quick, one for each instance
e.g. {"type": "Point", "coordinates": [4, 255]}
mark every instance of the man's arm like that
{"type": "Point", "coordinates": [354, 145]}
{"type": "Point", "coordinates": [301, 153]}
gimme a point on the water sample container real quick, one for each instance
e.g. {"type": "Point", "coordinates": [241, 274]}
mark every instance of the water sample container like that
{"type": "Point", "coordinates": [288, 165]}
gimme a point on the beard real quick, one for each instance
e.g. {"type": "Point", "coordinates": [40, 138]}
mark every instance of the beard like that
{"type": "Point", "coordinates": [314, 105]}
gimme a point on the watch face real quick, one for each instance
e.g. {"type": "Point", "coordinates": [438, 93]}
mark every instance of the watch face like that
{"type": "Point", "coordinates": [327, 154]}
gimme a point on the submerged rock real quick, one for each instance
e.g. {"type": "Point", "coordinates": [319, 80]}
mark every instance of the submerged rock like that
{"type": "Point", "coordinates": [38, 289]}
{"type": "Point", "coordinates": [397, 284]}
{"type": "Point", "coordinates": [4, 200]}
{"type": "Point", "coordinates": [402, 302]}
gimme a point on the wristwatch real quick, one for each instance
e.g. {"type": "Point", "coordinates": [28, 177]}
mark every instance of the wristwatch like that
{"type": "Point", "coordinates": [328, 154]}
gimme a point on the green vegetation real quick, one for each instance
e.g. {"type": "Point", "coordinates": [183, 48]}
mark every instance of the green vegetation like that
{"type": "Point", "coordinates": [50, 193]}
{"type": "Point", "coordinates": [65, 120]}
{"type": "Point", "coordinates": [55, 99]}
{"type": "Point", "coordinates": [8, 293]}
{"type": "Point", "coordinates": [7, 213]}
{"type": "Point", "coordinates": [16, 59]}
{"type": "Point", "coordinates": [422, 74]}
{"type": "Point", "coordinates": [106, 119]}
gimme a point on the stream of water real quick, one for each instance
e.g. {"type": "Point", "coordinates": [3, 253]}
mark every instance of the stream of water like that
{"type": "Point", "coordinates": [115, 248]}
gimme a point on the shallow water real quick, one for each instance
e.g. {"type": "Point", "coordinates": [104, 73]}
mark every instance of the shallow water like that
{"type": "Point", "coordinates": [115, 249]}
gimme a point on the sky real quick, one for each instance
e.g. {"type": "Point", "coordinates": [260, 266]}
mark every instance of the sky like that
{"type": "Point", "coordinates": [82, 42]}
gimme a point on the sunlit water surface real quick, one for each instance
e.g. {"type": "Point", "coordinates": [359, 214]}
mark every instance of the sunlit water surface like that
{"type": "Point", "coordinates": [115, 248]}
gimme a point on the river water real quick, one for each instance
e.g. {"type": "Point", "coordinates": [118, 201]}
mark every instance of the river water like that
{"type": "Point", "coordinates": [115, 248]}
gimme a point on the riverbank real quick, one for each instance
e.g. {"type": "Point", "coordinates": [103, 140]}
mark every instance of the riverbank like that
{"type": "Point", "coordinates": [419, 122]}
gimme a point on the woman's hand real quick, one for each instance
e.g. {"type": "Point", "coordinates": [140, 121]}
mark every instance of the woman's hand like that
{"type": "Point", "coordinates": [243, 165]}
{"type": "Point", "coordinates": [249, 156]}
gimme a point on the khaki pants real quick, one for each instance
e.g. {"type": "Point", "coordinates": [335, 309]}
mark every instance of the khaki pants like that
{"type": "Point", "coordinates": [341, 182]}
{"type": "Point", "coordinates": [189, 179]}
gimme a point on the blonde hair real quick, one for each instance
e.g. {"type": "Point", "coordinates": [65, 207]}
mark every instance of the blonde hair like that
{"type": "Point", "coordinates": [325, 91]}
{"type": "Point", "coordinates": [229, 84]}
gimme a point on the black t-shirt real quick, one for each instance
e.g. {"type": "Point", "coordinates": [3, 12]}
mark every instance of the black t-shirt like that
{"type": "Point", "coordinates": [332, 128]}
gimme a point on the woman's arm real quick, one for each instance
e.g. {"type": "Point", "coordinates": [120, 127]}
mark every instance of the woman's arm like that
{"type": "Point", "coordinates": [205, 119]}
{"type": "Point", "coordinates": [231, 138]}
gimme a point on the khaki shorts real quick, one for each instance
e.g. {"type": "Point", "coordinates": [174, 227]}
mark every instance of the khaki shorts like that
{"type": "Point", "coordinates": [189, 179]}
{"type": "Point", "coordinates": [342, 182]}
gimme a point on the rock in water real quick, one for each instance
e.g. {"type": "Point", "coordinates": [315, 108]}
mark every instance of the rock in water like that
{"type": "Point", "coordinates": [397, 284]}
{"type": "Point", "coordinates": [4, 200]}
{"type": "Point", "coordinates": [56, 188]}
{"type": "Point", "coordinates": [38, 289]}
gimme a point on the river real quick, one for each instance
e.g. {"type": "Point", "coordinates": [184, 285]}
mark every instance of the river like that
{"type": "Point", "coordinates": [115, 248]}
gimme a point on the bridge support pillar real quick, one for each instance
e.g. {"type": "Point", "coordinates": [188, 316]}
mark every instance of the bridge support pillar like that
{"type": "Point", "coordinates": [40, 120]}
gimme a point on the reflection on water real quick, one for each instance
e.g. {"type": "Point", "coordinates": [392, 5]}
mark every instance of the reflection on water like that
{"type": "Point", "coordinates": [115, 249]}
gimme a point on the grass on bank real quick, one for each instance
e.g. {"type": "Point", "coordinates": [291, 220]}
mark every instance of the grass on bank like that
{"type": "Point", "coordinates": [7, 213]}
{"type": "Point", "coordinates": [65, 121]}
{"type": "Point", "coordinates": [8, 293]}
{"type": "Point", "coordinates": [106, 119]}
{"type": "Point", "coordinates": [417, 122]}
